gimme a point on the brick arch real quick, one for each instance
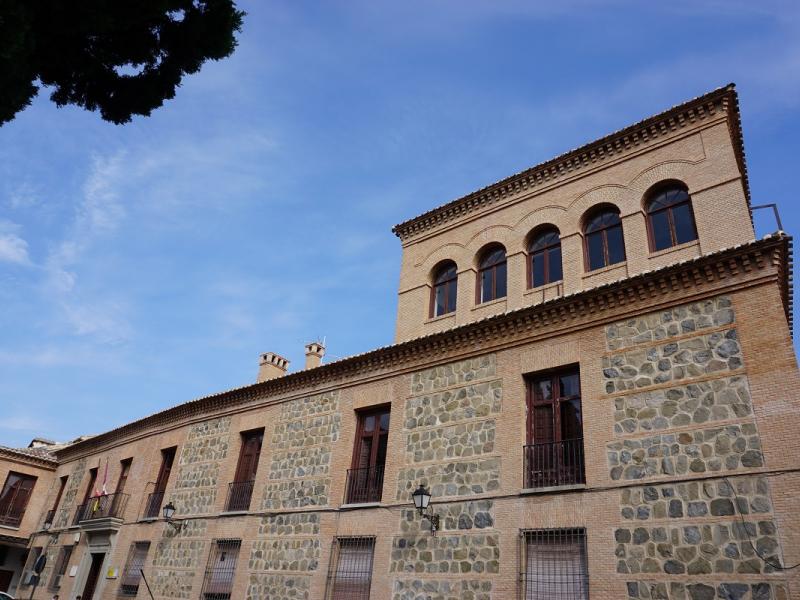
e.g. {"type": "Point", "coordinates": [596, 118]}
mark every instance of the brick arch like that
{"type": "Point", "coordinates": [449, 251]}
{"type": "Point", "coordinates": [676, 170]}
{"type": "Point", "coordinates": [620, 196]}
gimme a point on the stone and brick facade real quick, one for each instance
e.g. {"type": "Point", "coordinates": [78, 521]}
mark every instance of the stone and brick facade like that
{"type": "Point", "coordinates": [685, 481]}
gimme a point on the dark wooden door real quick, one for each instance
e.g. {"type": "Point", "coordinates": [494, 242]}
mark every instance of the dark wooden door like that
{"type": "Point", "coordinates": [167, 458]}
{"type": "Point", "coordinates": [91, 578]}
{"type": "Point", "coordinates": [248, 457]}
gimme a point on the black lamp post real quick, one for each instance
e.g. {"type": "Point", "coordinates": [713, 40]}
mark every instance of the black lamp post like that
{"type": "Point", "coordinates": [422, 499]}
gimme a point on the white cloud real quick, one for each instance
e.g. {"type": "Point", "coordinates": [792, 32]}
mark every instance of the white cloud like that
{"type": "Point", "coordinates": [13, 248]}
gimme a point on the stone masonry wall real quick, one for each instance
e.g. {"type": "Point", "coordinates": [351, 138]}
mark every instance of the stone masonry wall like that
{"type": "Point", "coordinates": [70, 492]}
{"type": "Point", "coordinates": [299, 472]}
{"type": "Point", "coordinates": [277, 587]}
{"type": "Point", "coordinates": [449, 433]}
{"type": "Point", "coordinates": [207, 444]}
{"type": "Point", "coordinates": [177, 557]}
{"type": "Point", "coordinates": [680, 373]}
{"type": "Point", "coordinates": [441, 589]}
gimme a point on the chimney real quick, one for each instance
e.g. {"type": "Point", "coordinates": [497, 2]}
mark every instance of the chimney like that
{"type": "Point", "coordinates": [271, 366]}
{"type": "Point", "coordinates": [314, 353]}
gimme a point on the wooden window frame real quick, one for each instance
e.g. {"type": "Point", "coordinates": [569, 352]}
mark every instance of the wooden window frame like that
{"type": "Point", "coordinates": [124, 472]}
{"type": "Point", "coordinates": [673, 234]}
{"type": "Point", "coordinates": [479, 299]}
{"type": "Point", "coordinates": [604, 232]}
{"type": "Point", "coordinates": [553, 375]}
{"type": "Point", "coordinates": [450, 286]}
{"type": "Point", "coordinates": [544, 252]}
{"type": "Point", "coordinates": [165, 469]}
{"type": "Point", "coordinates": [61, 487]}
{"type": "Point", "coordinates": [12, 502]}
{"type": "Point", "coordinates": [361, 416]}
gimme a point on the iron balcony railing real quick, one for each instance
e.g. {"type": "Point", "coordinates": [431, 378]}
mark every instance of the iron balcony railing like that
{"type": "Point", "coordinates": [364, 485]}
{"type": "Point", "coordinates": [49, 518]}
{"type": "Point", "coordinates": [239, 495]}
{"type": "Point", "coordinates": [554, 464]}
{"type": "Point", "coordinates": [152, 507]}
{"type": "Point", "coordinates": [102, 507]}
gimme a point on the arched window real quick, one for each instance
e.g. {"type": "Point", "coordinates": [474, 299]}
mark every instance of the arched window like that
{"type": "Point", "coordinates": [603, 239]}
{"type": "Point", "coordinates": [445, 288]}
{"type": "Point", "coordinates": [544, 257]}
{"type": "Point", "coordinates": [670, 220]}
{"type": "Point", "coordinates": [492, 274]}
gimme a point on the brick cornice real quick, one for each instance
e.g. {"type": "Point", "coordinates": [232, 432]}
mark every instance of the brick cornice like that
{"type": "Point", "coordinates": [548, 318]}
{"type": "Point", "coordinates": [720, 101]}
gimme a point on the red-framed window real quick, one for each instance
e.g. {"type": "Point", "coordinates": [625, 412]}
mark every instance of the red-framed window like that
{"type": "Point", "coordinates": [544, 257]}
{"type": "Point", "coordinates": [445, 289]}
{"type": "Point", "coordinates": [492, 274]}
{"type": "Point", "coordinates": [554, 449]}
{"type": "Point", "coordinates": [603, 241]}
{"type": "Point", "coordinates": [240, 491]}
{"type": "Point", "coordinates": [14, 498]}
{"type": "Point", "coordinates": [670, 219]}
{"type": "Point", "coordinates": [365, 478]}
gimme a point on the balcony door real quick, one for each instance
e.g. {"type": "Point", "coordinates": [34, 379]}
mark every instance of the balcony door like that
{"type": "Point", "coordinates": [365, 481]}
{"type": "Point", "coordinates": [241, 490]}
{"type": "Point", "coordinates": [554, 454]}
{"type": "Point", "coordinates": [154, 500]}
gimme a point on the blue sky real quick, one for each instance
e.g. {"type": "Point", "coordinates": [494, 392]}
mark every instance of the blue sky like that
{"type": "Point", "coordinates": [144, 265]}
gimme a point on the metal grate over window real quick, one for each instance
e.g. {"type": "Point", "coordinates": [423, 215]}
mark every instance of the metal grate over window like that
{"type": "Point", "coordinates": [553, 564]}
{"type": "Point", "coordinates": [350, 568]}
{"type": "Point", "coordinates": [61, 567]}
{"type": "Point", "coordinates": [218, 581]}
{"type": "Point", "coordinates": [132, 575]}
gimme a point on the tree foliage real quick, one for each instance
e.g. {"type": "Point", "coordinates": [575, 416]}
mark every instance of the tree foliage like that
{"type": "Point", "coordinates": [121, 57]}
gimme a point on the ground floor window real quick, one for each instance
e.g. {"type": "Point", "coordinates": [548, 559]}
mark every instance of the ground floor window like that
{"type": "Point", "coordinates": [350, 570]}
{"type": "Point", "coordinates": [554, 564]}
{"type": "Point", "coordinates": [218, 582]}
{"type": "Point", "coordinates": [61, 567]}
{"type": "Point", "coordinates": [132, 575]}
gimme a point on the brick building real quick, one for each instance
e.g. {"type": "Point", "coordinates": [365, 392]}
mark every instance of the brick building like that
{"type": "Point", "coordinates": [593, 377]}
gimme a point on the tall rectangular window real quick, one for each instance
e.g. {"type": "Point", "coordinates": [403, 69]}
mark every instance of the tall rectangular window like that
{"type": "Point", "coordinates": [51, 514]}
{"type": "Point", "coordinates": [62, 562]}
{"type": "Point", "coordinates": [155, 499]}
{"type": "Point", "coordinates": [365, 478]}
{"type": "Point", "coordinates": [554, 452]}
{"type": "Point", "coordinates": [240, 491]}
{"type": "Point", "coordinates": [350, 569]}
{"type": "Point", "coordinates": [14, 498]}
{"type": "Point", "coordinates": [218, 580]}
{"type": "Point", "coordinates": [124, 471]}
{"type": "Point", "coordinates": [27, 572]}
{"type": "Point", "coordinates": [132, 574]}
{"type": "Point", "coordinates": [555, 565]}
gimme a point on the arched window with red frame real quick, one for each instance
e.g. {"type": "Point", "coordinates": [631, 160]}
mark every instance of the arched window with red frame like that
{"type": "Point", "coordinates": [544, 257]}
{"type": "Point", "coordinates": [445, 289]}
{"type": "Point", "coordinates": [492, 274]}
{"type": "Point", "coordinates": [603, 241]}
{"type": "Point", "coordinates": [670, 219]}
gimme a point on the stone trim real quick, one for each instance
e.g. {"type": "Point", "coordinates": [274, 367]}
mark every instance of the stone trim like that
{"type": "Point", "coordinates": [581, 309]}
{"type": "Point", "coordinates": [720, 101]}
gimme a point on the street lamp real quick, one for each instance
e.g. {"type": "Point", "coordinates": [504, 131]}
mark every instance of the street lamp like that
{"type": "Point", "coordinates": [422, 499]}
{"type": "Point", "coordinates": [169, 511]}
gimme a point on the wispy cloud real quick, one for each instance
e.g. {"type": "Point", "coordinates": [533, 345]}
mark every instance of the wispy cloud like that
{"type": "Point", "coordinates": [13, 248]}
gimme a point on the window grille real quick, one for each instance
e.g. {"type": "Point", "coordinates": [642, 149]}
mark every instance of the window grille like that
{"type": "Point", "coordinates": [132, 575]}
{"type": "Point", "coordinates": [27, 572]}
{"type": "Point", "coordinates": [553, 565]}
{"type": "Point", "coordinates": [350, 568]}
{"type": "Point", "coordinates": [61, 567]}
{"type": "Point", "coordinates": [218, 581]}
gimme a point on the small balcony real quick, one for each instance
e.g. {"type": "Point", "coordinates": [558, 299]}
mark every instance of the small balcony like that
{"type": "Point", "coordinates": [110, 506]}
{"type": "Point", "coordinates": [364, 485]}
{"type": "Point", "coordinates": [152, 506]}
{"type": "Point", "coordinates": [49, 519]}
{"type": "Point", "coordinates": [239, 495]}
{"type": "Point", "coordinates": [554, 464]}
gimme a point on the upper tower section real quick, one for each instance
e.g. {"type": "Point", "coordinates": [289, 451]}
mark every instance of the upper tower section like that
{"type": "Point", "coordinates": [668, 188]}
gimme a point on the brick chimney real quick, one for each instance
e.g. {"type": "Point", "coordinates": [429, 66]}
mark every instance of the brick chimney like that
{"type": "Point", "coordinates": [271, 366]}
{"type": "Point", "coordinates": [314, 353]}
